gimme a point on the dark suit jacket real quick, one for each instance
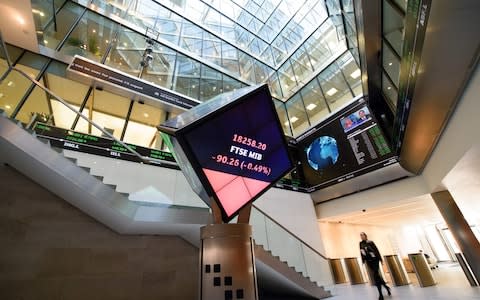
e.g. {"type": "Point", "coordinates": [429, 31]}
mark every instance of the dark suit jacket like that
{"type": "Point", "coordinates": [369, 251]}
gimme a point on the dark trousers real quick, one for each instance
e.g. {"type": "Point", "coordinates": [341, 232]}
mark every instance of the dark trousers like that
{"type": "Point", "coordinates": [374, 267]}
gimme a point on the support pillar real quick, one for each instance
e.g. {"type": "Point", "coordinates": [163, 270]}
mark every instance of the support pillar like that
{"type": "Point", "coordinates": [460, 230]}
{"type": "Point", "coordinates": [227, 263]}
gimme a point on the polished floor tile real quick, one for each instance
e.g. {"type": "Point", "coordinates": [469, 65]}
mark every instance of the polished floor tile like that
{"type": "Point", "coordinates": [451, 285]}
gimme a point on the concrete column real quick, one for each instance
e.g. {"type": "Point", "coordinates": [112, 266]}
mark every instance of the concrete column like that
{"type": "Point", "coordinates": [460, 229]}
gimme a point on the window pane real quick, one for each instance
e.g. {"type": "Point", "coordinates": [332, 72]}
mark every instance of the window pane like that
{"type": "Point", "coordinates": [287, 79]}
{"type": "Point", "coordinates": [91, 37]}
{"type": "Point", "coordinates": [65, 20]}
{"type": "Point", "coordinates": [351, 72]}
{"type": "Point", "coordinates": [297, 115]}
{"type": "Point", "coordinates": [391, 64]}
{"type": "Point", "coordinates": [37, 103]}
{"type": "Point", "coordinates": [14, 86]}
{"type": "Point", "coordinates": [127, 52]}
{"type": "Point", "coordinates": [334, 87]}
{"type": "Point", "coordinates": [160, 70]}
{"type": "Point", "coordinates": [314, 102]}
{"type": "Point", "coordinates": [210, 84]}
{"type": "Point", "coordinates": [187, 76]}
{"type": "Point", "coordinates": [141, 128]}
{"type": "Point", "coordinates": [389, 90]}
{"type": "Point", "coordinates": [282, 115]}
{"type": "Point", "coordinates": [42, 11]}
{"type": "Point", "coordinates": [107, 110]}
{"type": "Point", "coordinates": [393, 27]}
{"type": "Point", "coordinates": [57, 82]}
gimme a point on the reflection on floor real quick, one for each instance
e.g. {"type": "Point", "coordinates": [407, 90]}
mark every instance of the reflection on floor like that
{"type": "Point", "coordinates": [451, 285]}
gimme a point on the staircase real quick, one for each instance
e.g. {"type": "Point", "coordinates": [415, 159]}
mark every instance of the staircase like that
{"type": "Point", "coordinates": [35, 158]}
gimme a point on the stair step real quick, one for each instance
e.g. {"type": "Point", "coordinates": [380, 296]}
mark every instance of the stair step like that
{"type": "Point", "coordinates": [113, 186]}
{"type": "Point", "coordinates": [56, 149]}
{"type": "Point", "coordinates": [85, 168]}
{"type": "Point", "coordinates": [45, 141]}
{"type": "Point", "coordinates": [98, 177]}
{"type": "Point", "coordinates": [74, 160]}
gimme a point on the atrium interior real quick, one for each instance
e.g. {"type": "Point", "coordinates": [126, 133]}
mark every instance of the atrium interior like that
{"type": "Point", "coordinates": [110, 191]}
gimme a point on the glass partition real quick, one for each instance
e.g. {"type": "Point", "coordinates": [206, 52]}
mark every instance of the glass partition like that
{"type": "Point", "coordinates": [51, 35]}
{"type": "Point", "coordinates": [275, 238]}
{"type": "Point", "coordinates": [14, 88]}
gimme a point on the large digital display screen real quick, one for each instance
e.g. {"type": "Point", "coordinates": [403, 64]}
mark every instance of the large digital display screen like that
{"type": "Point", "coordinates": [347, 145]}
{"type": "Point", "coordinates": [238, 150]}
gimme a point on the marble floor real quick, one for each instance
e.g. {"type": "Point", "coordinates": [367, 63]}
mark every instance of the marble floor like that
{"type": "Point", "coordinates": [451, 285]}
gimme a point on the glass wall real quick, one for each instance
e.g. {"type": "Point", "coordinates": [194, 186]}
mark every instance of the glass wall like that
{"type": "Point", "coordinates": [393, 24]}
{"type": "Point", "coordinates": [203, 48]}
{"type": "Point", "coordinates": [330, 90]}
{"type": "Point", "coordinates": [15, 88]}
{"type": "Point", "coordinates": [127, 120]}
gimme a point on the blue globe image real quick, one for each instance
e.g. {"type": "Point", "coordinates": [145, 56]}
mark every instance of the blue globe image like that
{"type": "Point", "coordinates": [322, 152]}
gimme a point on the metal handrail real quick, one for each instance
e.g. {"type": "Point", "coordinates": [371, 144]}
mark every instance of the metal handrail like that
{"type": "Point", "coordinates": [291, 233]}
{"type": "Point", "coordinates": [58, 98]}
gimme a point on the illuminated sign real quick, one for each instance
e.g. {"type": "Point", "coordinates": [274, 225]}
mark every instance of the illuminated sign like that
{"type": "Point", "coordinates": [345, 146]}
{"type": "Point", "coordinates": [87, 72]}
{"type": "Point", "coordinates": [235, 146]}
{"type": "Point", "coordinates": [87, 143]}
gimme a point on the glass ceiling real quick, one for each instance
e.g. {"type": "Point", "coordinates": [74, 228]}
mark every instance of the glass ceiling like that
{"type": "Point", "coordinates": [304, 50]}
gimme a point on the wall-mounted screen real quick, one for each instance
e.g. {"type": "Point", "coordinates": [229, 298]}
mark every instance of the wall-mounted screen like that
{"type": "Point", "coordinates": [347, 145]}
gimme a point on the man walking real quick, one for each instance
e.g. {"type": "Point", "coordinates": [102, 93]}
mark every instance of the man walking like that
{"type": "Point", "coordinates": [372, 257]}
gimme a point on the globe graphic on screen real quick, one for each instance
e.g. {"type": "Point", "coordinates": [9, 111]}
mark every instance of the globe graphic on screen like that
{"type": "Point", "coordinates": [322, 152]}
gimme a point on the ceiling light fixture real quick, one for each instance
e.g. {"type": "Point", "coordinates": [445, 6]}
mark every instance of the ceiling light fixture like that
{"type": "Point", "coordinates": [311, 106]}
{"type": "Point", "coordinates": [293, 119]}
{"type": "Point", "coordinates": [332, 91]}
{"type": "Point", "coordinates": [355, 74]}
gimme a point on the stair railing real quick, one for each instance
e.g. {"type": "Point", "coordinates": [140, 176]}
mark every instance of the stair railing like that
{"type": "Point", "coordinates": [11, 68]}
{"type": "Point", "coordinates": [289, 247]}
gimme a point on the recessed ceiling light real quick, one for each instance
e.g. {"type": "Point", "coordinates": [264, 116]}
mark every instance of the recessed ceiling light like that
{"type": "Point", "coordinates": [311, 106]}
{"type": "Point", "coordinates": [214, 88]}
{"type": "Point", "coordinates": [125, 44]}
{"type": "Point", "coordinates": [145, 115]}
{"type": "Point", "coordinates": [355, 74]}
{"type": "Point", "coordinates": [293, 119]}
{"type": "Point", "coordinates": [10, 84]}
{"type": "Point", "coordinates": [389, 88]}
{"type": "Point", "coordinates": [94, 31]}
{"type": "Point", "coordinates": [390, 64]}
{"type": "Point", "coordinates": [8, 106]}
{"type": "Point", "coordinates": [45, 42]}
{"type": "Point", "coordinates": [332, 91]}
{"type": "Point", "coordinates": [286, 123]}
{"type": "Point", "coordinates": [193, 86]}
